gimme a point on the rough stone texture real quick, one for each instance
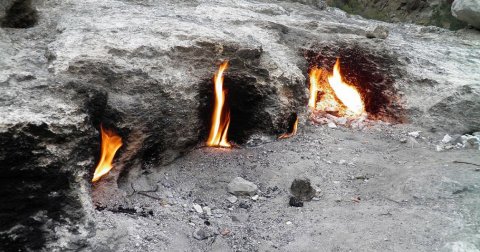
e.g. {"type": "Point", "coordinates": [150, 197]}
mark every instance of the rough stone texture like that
{"type": "Point", "coordinates": [467, 11]}
{"type": "Point", "coordinates": [239, 186]}
{"type": "Point", "coordinates": [17, 14]}
{"type": "Point", "coordinates": [302, 189]}
{"type": "Point", "coordinates": [423, 12]}
{"type": "Point", "coordinates": [144, 68]}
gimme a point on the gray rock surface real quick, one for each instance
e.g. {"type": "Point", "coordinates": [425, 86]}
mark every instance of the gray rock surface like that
{"type": "Point", "coordinates": [467, 11]}
{"type": "Point", "coordinates": [144, 69]}
{"type": "Point", "coordinates": [239, 187]}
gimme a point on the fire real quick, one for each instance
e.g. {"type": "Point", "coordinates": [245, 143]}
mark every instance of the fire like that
{"type": "Point", "coordinates": [314, 74]}
{"type": "Point", "coordinates": [221, 114]}
{"type": "Point", "coordinates": [336, 95]}
{"type": "Point", "coordinates": [111, 142]}
{"type": "Point", "coordinates": [294, 131]}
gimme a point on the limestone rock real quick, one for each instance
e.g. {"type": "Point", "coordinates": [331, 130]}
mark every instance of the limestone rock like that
{"type": "Point", "coordinates": [239, 186]}
{"type": "Point", "coordinates": [467, 11]}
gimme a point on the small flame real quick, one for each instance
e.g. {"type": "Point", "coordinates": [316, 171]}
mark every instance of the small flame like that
{"type": "Point", "coordinates": [111, 142]}
{"type": "Point", "coordinates": [346, 93]}
{"type": "Point", "coordinates": [221, 114]}
{"type": "Point", "coordinates": [336, 95]}
{"type": "Point", "coordinates": [294, 131]}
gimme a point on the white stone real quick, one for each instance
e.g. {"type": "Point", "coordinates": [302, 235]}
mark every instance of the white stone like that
{"type": "Point", "coordinates": [414, 134]}
{"type": "Point", "coordinates": [332, 125]}
{"type": "Point", "coordinates": [232, 199]}
{"type": "Point", "coordinates": [239, 186]}
{"type": "Point", "coordinates": [207, 210]}
{"type": "Point", "coordinates": [255, 198]}
{"type": "Point", "coordinates": [447, 139]}
{"type": "Point", "coordinates": [197, 208]}
{"type": "Point", "coordinates": [467, 11]}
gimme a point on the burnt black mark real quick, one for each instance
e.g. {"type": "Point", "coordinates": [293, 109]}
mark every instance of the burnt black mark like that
{"type": "Point", "coordinates": [21, 14]}
{"type": "Point", "coordinates": [373, 73]}
{"type": "Point", "coordinates": [246, 100]}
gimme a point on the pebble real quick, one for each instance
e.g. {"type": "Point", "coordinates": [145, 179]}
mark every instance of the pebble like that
{"type": "Point", "coordinates": [380, 32]}
{"type": "Point", "coordinates": [295, 202]}
{"type": "Point", "coordinates": [289, 223]}
{"type": "Point", "coordinates": [447, 139]}
{"type": "Point", "coordinates": [239, 186]}
{"type": "Point", "coordinates": [403, 140]}
{"type": "Point", "coordinates": [232, 199]}
{"type": "Point", "coordinates": [202, 234]}
{"type": "Point", "coordinates": [414, 134]}
{"type": "Point", "coordinates": [197, 208]}
{"type": "Point", "coordinates": [207, 210]}
{"type": "Point", "coordinates": [332, 125]}
{"type": "Point", "coordinates": [255, 198]}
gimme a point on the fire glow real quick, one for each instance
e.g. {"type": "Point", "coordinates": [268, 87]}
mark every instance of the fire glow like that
{"type": "Point", "coordinates": [111, 142]}
{"type": "Point", "coordinates": [221, 113]}
{"type": "Point", "coordinates": [290, 134]}
{"type": "Point", "coordinates": [335, 94]}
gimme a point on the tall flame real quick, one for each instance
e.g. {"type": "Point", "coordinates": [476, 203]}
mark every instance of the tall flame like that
{"type": "Point", "coordinates": [111, 142]}
{"type": "Point", "coordinates": [294, 131]}
{"type": "Point", "coordinates": [346, 93]}
{"type": "Point", "coordinates": [314, 79]}
{"type": "Point", "coordinates": [336, 95]}
{"type": "Point", "coordinates": [221, 114]}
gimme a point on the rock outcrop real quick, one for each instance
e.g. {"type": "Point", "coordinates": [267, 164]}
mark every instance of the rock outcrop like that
{"type": "Point", "coordinates": [144, 68]}
{"type": "Point", "coordinates": [467, 11]}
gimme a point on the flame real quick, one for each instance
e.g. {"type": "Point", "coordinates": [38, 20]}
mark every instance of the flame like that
{"type": "Point", "coordinates": [314, 79]}
{"type": "Point", "coordinates": [294, 131]}
{"type": "Point", "coordinates": [221, 114]}
{"type": "Point", "coordinates": [111, 142]}
{"type": "Point", "coordinates": [336, 95]}
{"type": "Point", "coordinates": [346, 93]}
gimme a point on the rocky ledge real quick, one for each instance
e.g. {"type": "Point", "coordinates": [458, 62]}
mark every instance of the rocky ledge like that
{"type": "Point", "coordinates": [144, 68]}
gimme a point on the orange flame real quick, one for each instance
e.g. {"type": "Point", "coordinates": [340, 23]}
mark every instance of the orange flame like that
{"type": "Point", "coordinates": [336, 95]}
{"type": "Point", "coordinates": [111, 142]}
{"type": "Point", "coordinates": [294, 131]}
{"type": "Point", "coordinates": [221, 115]}
{"type": "Point", "coordinates": [314, 79]}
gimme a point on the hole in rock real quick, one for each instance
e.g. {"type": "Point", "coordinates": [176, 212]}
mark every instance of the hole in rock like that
{"type": "Point", "coordinates": [246, 99]}
{"type": "Point", "coordinates": [371, 73]}
{"type": "Point", "coordinates": [21, 14]}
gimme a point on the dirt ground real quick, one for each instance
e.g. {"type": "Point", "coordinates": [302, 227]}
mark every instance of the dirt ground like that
{"type": "Point", "coordinates": [409, 197]}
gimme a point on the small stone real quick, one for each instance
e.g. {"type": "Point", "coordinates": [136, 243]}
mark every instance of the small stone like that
{"type": "Point", "coordinates": [341, 120]}
{"type": "Point", "coordinates": [255, 198]}
{"type": "Point", "coordinates": [447, 139]}
{"type": "Point", "coordinates": [414, 134]}
{"type": "Point", "coordinates": [302, 189]}
{"type": "Point", "coordinates": [202, 234]}
{"type": "Point", "coordinates": [232, 199]}
{"type": "Point", "coordinates": [207, 210]}
{"type": "Point", "coordinates": [197, 208]}
{"type": "Point", "coordinates": [289, 223]}
{"type": "Point", "coordinates": [332, 125]}
{"type": "Point", "coordinates": [295, 202]}
{"type": "Point", "coordinates": [342, 162]}
{"type": "Point", "coordinates": [380, 32]}
{"type": "Point", "coordinates": [244, 205]}
{"type": "Point", "coordinates": [239, 186]}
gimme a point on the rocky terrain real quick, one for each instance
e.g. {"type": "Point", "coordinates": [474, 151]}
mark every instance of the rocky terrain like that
{"type": "Point", "coordinates": [144, 69]}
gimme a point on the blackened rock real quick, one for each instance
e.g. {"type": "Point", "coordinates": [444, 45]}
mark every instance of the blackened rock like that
{"type": "Point", "coordinates": [295, 202]}
{"type": "Point", "coordinates": [302, 189]}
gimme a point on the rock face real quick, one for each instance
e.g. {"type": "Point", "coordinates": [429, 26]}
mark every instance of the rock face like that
{"type": "Point", "coordinates": [467, 11]}
{"type": "Point", "coordinates": [145, 68]}
{"type": "Point", "coordinates": [432, 12]}
{"type": "Point", "coordinates": [239, 187]}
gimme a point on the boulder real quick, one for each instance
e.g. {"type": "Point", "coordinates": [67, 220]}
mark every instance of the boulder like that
{"type": "Point", "coordinates": [467, 11]}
